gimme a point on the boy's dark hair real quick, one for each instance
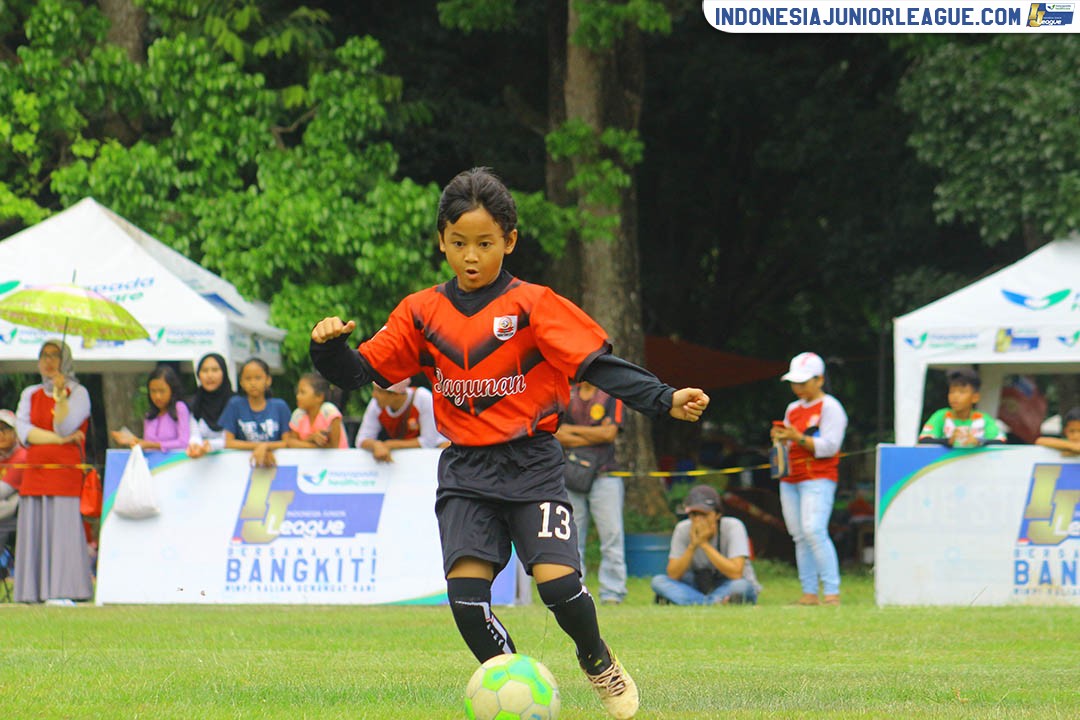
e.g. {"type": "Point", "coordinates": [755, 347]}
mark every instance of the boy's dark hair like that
{"type": "Point", "coordinates": [166, 373]}
{"type": "Point", "coordinates": [965, 376]}
{"type": "Point", "coordinates": [477, 188]}
{"type": "Point", "coordinates": [1071, 416]}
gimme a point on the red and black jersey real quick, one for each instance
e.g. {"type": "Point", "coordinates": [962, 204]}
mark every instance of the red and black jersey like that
{"type": "Point", "coordinates": [499, 371]}
{"type": "Point", "coordinates": [403, 426]}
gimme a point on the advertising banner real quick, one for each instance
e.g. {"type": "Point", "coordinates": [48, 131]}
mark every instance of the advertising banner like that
{"type": "Point", "coordinates": [323, 526]}
{"type": "Point", "coordinates": [997, 525]}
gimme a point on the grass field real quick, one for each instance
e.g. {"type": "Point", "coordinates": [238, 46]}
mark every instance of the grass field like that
{"type": "Point", "coordinates": [394, 662]}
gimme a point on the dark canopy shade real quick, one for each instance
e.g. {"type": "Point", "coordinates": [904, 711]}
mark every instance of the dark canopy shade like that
{"type": "Point", "coordinates": [685, 364]}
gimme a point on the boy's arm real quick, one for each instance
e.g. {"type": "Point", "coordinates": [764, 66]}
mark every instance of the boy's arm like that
{"type": "Point", "coordinates": [641, 390]}
{"type": "Point", "coordinates": [933, 432]}
{"type": "Point", "coordinates": [635, 386]}
{"type": "Point", "coordinates": [1059, 444]}
{"type": "Point", "coordinates": [340, 364]}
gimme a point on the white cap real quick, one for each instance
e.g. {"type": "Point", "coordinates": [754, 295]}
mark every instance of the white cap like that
{"type": "Point", "coordinates": [7, 417]}
{"type": "Point", "coordinates": [803, 367]}
{"type": "Point", "coordinates": [398, 387]}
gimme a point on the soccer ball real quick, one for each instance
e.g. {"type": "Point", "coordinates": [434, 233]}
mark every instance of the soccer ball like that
{"type": "Point", "coordinates": [512, 687]}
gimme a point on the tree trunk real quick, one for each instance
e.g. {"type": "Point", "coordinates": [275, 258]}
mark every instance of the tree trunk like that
{"type": "Point", "coordinates": [119, 391]}
{"type": "Point", "coordinates": [597, 93]}
{"type": "Point", "coordinates": [563, 274]}
{"type": "Point", "coordinates": [127, 27]}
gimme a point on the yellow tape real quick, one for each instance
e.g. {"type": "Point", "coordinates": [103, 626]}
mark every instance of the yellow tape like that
{"type": "Point", "coordinates": [720, 471]}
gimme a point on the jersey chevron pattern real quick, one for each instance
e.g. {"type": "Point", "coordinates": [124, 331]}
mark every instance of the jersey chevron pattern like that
{"type": "Point", "coordinates": [498, 373]}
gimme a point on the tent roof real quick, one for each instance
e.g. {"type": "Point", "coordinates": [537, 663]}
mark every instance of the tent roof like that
{"type": "Point", "coordinates": [188, 310]}
{"type": "Point", "coordinates": [1040, 289]}
{"type": "Point", "coordinates": [685, 364]}
{"type": "Point", "coordinates": [1022, 319]}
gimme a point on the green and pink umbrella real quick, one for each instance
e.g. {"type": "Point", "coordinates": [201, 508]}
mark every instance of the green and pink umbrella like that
{"type": "Point", "coordinates": [70, 309]}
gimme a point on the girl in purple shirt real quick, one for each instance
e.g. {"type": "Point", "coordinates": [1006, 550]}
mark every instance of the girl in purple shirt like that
{"type": "Point", "coordinates": [167, 425]}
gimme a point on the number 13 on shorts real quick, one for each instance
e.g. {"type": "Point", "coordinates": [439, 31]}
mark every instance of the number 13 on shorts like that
{"type": "Point", "coordinates": [554, 524]}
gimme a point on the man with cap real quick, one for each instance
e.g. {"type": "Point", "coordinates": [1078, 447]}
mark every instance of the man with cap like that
{"type": "Point", "coordinates": [398, 417]}
{"type": "Point", "coordinates": [709, 561]}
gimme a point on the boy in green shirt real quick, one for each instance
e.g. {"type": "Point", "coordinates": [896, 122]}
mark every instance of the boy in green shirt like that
{"type": "Point", "coordinates": [961, 425]}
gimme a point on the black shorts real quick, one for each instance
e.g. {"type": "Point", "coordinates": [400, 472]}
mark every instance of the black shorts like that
{"type": "Point", "coordinates": [542, 532]}
{"type": "Point", "coordinates": [491, 496]}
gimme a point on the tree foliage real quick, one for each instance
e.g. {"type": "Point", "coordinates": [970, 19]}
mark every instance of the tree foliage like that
{"type": "Point", "coordinates": [288, 190]}
{"type": "Point", "coordinates": [997, 119]}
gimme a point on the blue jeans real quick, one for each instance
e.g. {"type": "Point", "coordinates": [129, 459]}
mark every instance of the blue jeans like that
{"type": "Point", "coordinates": [604, 502]}
{"type": "Point", "coordinates": [807, 507]}
{"type": "Point", "coordinates": [683, 592]}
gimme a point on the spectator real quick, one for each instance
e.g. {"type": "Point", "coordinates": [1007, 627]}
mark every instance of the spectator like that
{"type": "Point", "coordinates": [709, 562]}
{"type": "Point", "coordinates": [51, 552]}
{"type": "Point", "coordinates": [207, 404]}
{"type": "Point", "coordinates": [961, 425]}
{"type": "Point", "coordinates": [398, 416]}
{"type": "Point", "coordinates": [167, 425]}
{"type": "Point", "coordinates": [813, 428]}
{"type": "Point", "coordinates": [1070, 444]}
{"type": "Point", "coordinates": [256, 420]}
{"type": "Point", "coordinates": [11, 453]}
{"type": "Point", "coordinates": [316, 422]}
{"type": "Point", "coordinates": [591, 422]}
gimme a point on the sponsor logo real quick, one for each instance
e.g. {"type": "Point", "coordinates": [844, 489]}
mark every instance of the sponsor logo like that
{"type": "Point", "coordinates": [8, 286]}
{"type": "Point", "coordinates": [1033, 303]}
{"type": "Point", "coordinates": [1050, 14]}
{"type": "Point", "coordinates": [1010, 340]}
{"type": "Point", "coordinates": [282, 503]}
{"type": "Point", "coordinates": [458, 391]}
{"type": "Point", "coordinates": [1069, 340]}
{"type": "Point", "coordinates": [9, 339]}
{"type": "Point", "coordinates": [1047, 549]}
{"type": "Point", "coordinates": [943, 341]}
{"type": "Point", "coordinates": [505, 326]}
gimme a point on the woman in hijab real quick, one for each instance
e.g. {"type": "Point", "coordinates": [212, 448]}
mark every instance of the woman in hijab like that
{"type": "Point", "coordinates": [206, 405]}
{"type": "Point", "coordinates": [52, 419]}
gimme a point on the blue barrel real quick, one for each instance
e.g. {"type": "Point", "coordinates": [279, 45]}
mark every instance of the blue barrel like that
{"type": "Point", "coordinates": [647, 553]}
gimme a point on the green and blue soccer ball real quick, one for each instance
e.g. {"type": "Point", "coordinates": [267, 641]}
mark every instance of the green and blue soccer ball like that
{"type": "Point", "coordinates": [512, 687]}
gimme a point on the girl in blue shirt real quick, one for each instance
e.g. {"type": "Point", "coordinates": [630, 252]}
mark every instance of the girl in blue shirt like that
{"type": "Point", "coordinates": [253, 420]}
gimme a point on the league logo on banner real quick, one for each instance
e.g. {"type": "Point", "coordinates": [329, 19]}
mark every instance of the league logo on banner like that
{"type": "Point", "coordinates": [297, 532]}
{"type": "Point", "coordinates": [1048, 543]}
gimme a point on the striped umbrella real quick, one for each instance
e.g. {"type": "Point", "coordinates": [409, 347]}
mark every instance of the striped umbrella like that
{"type": "Point", "coordinates": [70, 309]}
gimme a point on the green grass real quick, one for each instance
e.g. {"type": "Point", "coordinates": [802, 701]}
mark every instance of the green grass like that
{"type": "Point", "coordinates": [393, 662]}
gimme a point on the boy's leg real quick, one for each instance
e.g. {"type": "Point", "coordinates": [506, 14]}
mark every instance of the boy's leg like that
{"type": "Point", "coordinates": [474, 543]}
{"type": "Point", "coordinates": [470, 602]}
{"type": "Point", "coordinates": [546, 538]}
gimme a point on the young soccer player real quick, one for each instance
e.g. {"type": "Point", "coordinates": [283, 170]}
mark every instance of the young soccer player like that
{"type": "Point", "coordinates": [961, 425]}
{"type": "Point", "coordinates": [498, 352]}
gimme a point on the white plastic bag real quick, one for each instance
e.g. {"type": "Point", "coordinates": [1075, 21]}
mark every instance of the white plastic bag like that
{"type": "Point", "coordinates": [135, 496]}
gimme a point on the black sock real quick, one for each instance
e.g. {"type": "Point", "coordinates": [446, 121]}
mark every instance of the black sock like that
{"type": "Point", "coordinates": [470, 601]}
{"type": "Point", "coordinates": [575, 612]}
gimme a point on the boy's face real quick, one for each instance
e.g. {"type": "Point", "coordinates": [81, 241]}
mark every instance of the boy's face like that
{"type": "Point", "coordinates": [962, 397]}
{"type": "Point", "coordinates": [475, 246]}
{"type": "Point", "coordinates": [1072, 431]}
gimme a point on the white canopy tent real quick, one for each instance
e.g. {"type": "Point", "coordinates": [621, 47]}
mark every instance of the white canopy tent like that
{"type": "Point", "coordinates": [1023, 319]}
{"type": "Point", "coordinates": [188, 310]}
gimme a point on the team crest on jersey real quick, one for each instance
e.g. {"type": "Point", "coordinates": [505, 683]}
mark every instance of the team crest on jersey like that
{"type": "Point", "coordinates": [505, 326]}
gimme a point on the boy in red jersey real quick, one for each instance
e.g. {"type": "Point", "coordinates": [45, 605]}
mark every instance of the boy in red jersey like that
{"type": "Point", "coordinates": [499, 352]}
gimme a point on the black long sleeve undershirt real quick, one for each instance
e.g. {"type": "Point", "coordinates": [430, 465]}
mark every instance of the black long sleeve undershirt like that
{"type": "Point", "coordinates": [635, 386]}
